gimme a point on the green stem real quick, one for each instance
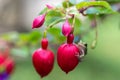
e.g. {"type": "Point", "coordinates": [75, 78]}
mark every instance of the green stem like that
{"type": "Point", "coordinates": [73, 23]}
{"type": "Point", "coordinates": [55, 22]}
{"type": "Point", "coordinates": [50, 26]}
{"type": "Point", "coordinates": [94, 43]}
{"type": "Point", "coordinates": [67, 3]}
{"type": "Point", "coordinates": [45, 33]}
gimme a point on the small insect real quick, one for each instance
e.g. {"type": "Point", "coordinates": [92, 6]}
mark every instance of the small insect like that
{"type": "Point", "coordinates": [83, 49]}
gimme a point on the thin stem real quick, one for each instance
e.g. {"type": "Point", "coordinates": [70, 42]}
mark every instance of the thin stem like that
{"type": "Point", "coordinates": [67, 3]}
{"type": "Point", "coordinates": [94, 43]}
{"type": "Point", "coordinates": [45, 33]}
{"type": "Point", "coordinates": [73, 23]}
{"type": "Point", "coordinates": [55, 22]}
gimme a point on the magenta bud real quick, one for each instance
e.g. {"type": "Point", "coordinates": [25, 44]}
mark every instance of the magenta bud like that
{"type": "Point", "coordinates": [66, 28]}
{"type": "Point", "coordinates": [44, 43]}
{"type": "Point", "coordinates": [70, 38]}
{"type": "Point", "coordinates": [38, 21]}
{"type": "Point", "coordinates": [49, 6]}
{"type": "Point", "coordinates": [67, 57]}
{"type": "Point", "coordinates": [43, 61]}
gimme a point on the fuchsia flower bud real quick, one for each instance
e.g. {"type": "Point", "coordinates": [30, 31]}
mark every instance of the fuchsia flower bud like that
{"type": "Point", "coordinates": [43, 59]}
{"type": "Point", "coordinates": [10, 65]}
{"type": "Point", "coordinates": [67, 55]}
{"type": "Point", "coordinates": [7, 63]}
{"type": "Point", "coordinates": [49, 6]}
{"type": "Point", "coordinates": [38, 21]}
{"type": "Point", "coordinates": [44, 43]}
{"type": "Point", "coordinates": [66, 28]}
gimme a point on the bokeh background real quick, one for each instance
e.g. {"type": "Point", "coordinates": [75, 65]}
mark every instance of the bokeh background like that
{"type": "Point", "coordinates": [101, 63]}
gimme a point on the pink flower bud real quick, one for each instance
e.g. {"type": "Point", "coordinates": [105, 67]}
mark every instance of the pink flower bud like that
{"type": "Point", "coordinates": [49, 6]}
{"type": "Point", "coordinates": [38, 21]}
{"type": "Point", "coordinates": [44, 43]}
{"type": "Point", "coordinates": [43, 59]}
{"type": "Point", "coordinates": [66, 28]}
{"type": "Point", "coordinates": [7, 63]}
{"type": "Point", "coordinates": [67, 55]}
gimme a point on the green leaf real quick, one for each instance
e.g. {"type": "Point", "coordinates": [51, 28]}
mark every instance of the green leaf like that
{"type": "Point", "coordinates": [67, 4]}
{"type": "Point", "coordinates": [57, 36]}
{"type": "Point", "coordinates": [98, 10]}
{"type": "Point", "coordinates": [82, 5]}
{"type": "Point", "coordinates": [43, 11]}
{"type": "Point", "coordinates": [77, 25]}
{"type": "Point", "coordinates": [53, 17]}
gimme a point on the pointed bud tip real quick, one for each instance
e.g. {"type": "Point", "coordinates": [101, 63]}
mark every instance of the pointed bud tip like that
{"type": "Point", "coordinates": [42, 77]}
{"type": "Point", "coordinates": [66, 28]}
{"type": "Point", "coordinates": [44, 43]}
{"type": "Point", "coordinates": [38, 21]}
{"type": "Point", "coordinates": [66, 72]}
{"type": "Point", "coordinates": [49, 6]}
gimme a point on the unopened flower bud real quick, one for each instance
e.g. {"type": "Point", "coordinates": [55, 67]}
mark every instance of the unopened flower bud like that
{"type": "Point", "coordinates": [66, 28]}
{"type": "Point", "coordinates": [49, 6]}
{"type": "Point", "coordinates": [38, 21]}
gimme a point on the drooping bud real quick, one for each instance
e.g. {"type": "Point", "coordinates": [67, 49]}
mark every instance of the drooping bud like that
{"type": "Point", "coordinates": [49, 6]}
{"type": "Point", "coordinates": [67, 55]}
{"type": "Point", "coordinates": [44, 43]}
{"type": "Point", "coordinates": [6, 65]}
{"type": "Point", "coordinates": [66, 28]}
{"type": "Point", "coordinates": [43, 59]}
{"type": "Point", "coordinates": [9, 63]}
{"type": "Point", "coordinates": [70, 38]}
{"type": "Point", "coordinates": [38, 21]}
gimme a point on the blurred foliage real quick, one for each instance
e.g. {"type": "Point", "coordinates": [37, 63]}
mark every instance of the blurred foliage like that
{"type": "Point", "coordinates": [67, 4]}
{"type": "Point", "coordinates": [53, 16]}
{"type": "Point", "coordinates": [93, 3]}
{"type": "Point", "coordinates": [102, 63]}
{"type": "Point", "coordinates": [77, 25]}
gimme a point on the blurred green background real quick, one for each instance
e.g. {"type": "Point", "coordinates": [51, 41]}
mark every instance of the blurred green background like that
{"type": "Point", "coordinates": [101, 63]}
